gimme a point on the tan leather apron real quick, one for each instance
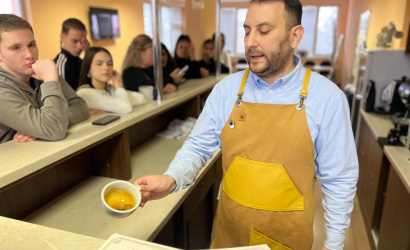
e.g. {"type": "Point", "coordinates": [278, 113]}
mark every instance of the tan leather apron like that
{"type": "Point", "coordinates": [269, 173]}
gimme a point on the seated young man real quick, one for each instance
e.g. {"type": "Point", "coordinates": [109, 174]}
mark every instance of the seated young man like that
{"type": "Point", "coordinates": [73, 42]}
{"type": "Point", "coordinates": [35, 102]}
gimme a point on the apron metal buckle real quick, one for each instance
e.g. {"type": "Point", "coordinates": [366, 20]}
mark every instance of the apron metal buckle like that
{"type": "Point", "coordinates": [300, 106]}
{"type": "Point", "coordinates": [238, 101]}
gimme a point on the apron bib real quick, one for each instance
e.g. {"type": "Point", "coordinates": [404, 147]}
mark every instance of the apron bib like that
{"type": "Point", "coordinates": [268, 176]}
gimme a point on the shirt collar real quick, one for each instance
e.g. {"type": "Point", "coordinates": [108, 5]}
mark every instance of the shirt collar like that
{"type": "Point", "coordinates": [285, 81]}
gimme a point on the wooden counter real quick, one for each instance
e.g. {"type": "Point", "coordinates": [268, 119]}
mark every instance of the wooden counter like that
{"type": "Point", "coordinates": [20, 160]}
{"type": "Point", "coordinates": [15, 234]}
{"type": "Point", "coordinates": [58, 184]}
{"type": "Point", "coordinates": [383, 188]}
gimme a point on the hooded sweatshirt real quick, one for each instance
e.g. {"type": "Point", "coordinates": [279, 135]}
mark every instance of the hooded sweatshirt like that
{"type": "Point", "coordinates": [43, 109]}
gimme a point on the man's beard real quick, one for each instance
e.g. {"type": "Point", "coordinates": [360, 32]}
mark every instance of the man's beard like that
{"type": "Point", "coordinates": [275, 63]}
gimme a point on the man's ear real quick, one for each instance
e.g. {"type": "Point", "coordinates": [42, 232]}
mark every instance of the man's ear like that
{"type": "Point", "coordinates": [62, 37]}
{"type": "Point", "coordinates": [296, 35]}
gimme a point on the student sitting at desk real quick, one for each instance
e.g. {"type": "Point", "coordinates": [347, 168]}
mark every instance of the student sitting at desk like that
{"type": "Point", "coordinates": [30, 108]}
{"type": "Point", "coordinates": [184, 55]}
{"type": "Point", "coordinates": [208, 61]}
{"type": "Point", "coordinates": [138, 67]}
{"type": "Point", "coordinates": [168, 66]}
{"type": "Point", "coordinates": [96, 72]}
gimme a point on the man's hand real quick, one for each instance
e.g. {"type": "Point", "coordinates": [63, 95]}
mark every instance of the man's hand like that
{"type": "Point", "coordinates": [86, 44]}
{"type": "Point", "coordinates": [325, 248]}
{"type": "Point", "coordinates": [154, 187]}
{"type": "Point", "coordinates": [169, 88]}
{"type": "Point", "coordinates": [20, 137]}
{"type": "Point", "coordinates": [45, 70]}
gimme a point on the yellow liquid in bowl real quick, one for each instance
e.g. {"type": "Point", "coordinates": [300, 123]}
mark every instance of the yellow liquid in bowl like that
{"type": "Point", "coordinates": [120, 199]}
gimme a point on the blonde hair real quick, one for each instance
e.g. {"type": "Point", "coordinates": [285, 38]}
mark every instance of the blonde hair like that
{"type": "Point", "coordinates": [10, 22]}
{"type": "Point", "coordinates": [132, 58]}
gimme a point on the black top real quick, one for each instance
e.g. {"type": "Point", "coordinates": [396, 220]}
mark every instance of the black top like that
{"type": "Point", "coordinates": [193, 71]}
{"type": "Point", "coordinates": [133, 77]}
{"type": "Point", "coordinates": [212, 67]}
{"type": "Point", "coordinates": [69, 67]}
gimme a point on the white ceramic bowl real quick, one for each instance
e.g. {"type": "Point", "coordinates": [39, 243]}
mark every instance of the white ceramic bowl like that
{"type": "Point", "coordinates": [134, 190]}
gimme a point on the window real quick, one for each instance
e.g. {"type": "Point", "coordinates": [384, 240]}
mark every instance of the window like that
{"type": "Point", "coordinates": [171, 24]}
{"type": "Point", "coordinates": [232, 20]}
{"type": "Point", "coordinates": [10, 7]}
{"type": "Point", "coordinates": [320, 23]}
{"type": "Point", "coordinates": [319, 40]}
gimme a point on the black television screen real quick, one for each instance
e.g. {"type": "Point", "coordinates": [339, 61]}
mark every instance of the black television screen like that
{"type": "Point", "coordinates": [104, 23]}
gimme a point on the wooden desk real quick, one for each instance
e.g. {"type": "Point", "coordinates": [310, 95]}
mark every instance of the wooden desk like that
{"type": "Point", "coordinates": [383, 188]}
{"type": "Point", "coordinates": [241, 66]}
{"type": "Point", "coordinates": [46, 182]}
{"type": "Point", "coordinates": [319, 68]}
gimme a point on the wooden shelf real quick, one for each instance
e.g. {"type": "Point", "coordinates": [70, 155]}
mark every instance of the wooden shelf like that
{"type": "Point", "coordinates": [80, 211]}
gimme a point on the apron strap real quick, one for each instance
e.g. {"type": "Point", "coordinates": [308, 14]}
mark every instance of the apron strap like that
{"type": "Point", "coordinates": [303, 92]}
{"type": "Point", "coordinates": [240, 92]}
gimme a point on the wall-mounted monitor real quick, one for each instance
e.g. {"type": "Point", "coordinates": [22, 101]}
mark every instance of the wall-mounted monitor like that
{"type": "Point", "coordinates": [105, 23]}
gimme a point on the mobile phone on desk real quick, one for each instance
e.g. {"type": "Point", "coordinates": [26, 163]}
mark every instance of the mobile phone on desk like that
{"type": "Point", "coordinates": [105, 120]}
{"type": "Point", "coordinates": [184, 69]}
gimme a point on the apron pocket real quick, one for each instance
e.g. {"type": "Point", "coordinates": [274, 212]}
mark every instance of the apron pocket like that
{"type": "Point", "coordinates": [257, 238]}
{"type": "Point", "coordinates": [261, 185]}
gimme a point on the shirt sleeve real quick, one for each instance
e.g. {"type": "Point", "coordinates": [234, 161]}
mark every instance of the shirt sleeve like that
{"type": "Point", "coordinates": [48, 120]}
{"type": "Point", "coordinates": [77, 107]}
{"type": "Point", "coordinates": [116, 103]}
{"type": "Point", "coordinates": [198, 148]}
{"type": "Point", "coordinates": [337, 170]}
{"type": "Point", "coordinates": [136, 98]}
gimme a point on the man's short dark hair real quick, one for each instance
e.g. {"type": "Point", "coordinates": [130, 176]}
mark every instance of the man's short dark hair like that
{"type": "Point", "coordinates": [72, 23]}
{"type": "Point", "coordinates": [293, 9]}
{"type": "Point", "coordinates": [10, 22]}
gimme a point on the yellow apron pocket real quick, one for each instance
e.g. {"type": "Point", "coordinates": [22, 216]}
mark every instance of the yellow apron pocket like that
{"type": "Point", "coordinates": [261, 185]}
{"type": "Point", "coordinates": [257, 238]}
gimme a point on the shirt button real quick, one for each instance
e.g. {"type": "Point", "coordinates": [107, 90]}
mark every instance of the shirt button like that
{"type": "Point", "coordinates": [270, 91]}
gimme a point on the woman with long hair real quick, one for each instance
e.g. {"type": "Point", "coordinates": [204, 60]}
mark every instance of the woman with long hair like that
{"type": "Point", "coordinates": [138, 67]}
{"type": "Point", "coordinates": [101, 86]}
{"type": "Point", "coordinates": [184, 55]}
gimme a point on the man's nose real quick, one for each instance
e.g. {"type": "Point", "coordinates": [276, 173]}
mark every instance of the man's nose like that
{"type": "Point", "coordinates": [28, 53]}
{"type": "Point", "coordinates": [251, 40]}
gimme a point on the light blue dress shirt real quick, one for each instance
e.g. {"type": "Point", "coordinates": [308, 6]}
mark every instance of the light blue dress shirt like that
{"type": "Point", "coordinates": [328, 119]}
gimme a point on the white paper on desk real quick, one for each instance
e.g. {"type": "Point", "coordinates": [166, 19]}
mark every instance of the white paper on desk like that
{"type": "Point", "coordinates": [178, 129]}
{"type": "Point", "coordinates": [121, 242]}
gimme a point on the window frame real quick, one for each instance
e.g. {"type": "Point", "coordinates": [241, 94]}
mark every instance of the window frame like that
{"type": "Point", "coordinates": [170, 4]}
{"type": "Point", "coordinates": [314, 55]}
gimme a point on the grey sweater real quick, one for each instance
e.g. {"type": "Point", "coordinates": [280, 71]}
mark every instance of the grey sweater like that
{"type": "Point", "coordinates": [44, 111]}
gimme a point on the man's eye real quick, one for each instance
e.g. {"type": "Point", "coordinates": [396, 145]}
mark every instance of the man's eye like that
{"type": "Point", "coordinates": [15, 47]}
{"type": "Point", "coordinates": [264, 32]}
